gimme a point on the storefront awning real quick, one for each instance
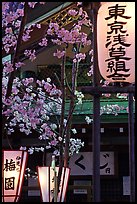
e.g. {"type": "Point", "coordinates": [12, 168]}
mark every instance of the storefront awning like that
{"type": "Point", "coordinates": [112, 111]}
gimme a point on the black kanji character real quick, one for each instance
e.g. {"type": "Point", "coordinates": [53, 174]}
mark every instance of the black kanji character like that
{"type": "Point", "coordinates": [9, 165]}
{"type": "Point", "coordinates": [115, 11]}
{"type": "Point", "coordinates": [9, 183]}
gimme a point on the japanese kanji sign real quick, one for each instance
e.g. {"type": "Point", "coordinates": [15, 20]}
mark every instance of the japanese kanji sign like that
{"type": "Point", "coordinates": [13, 167]}
{"type": "Point", "coordinates": [46, 181]}
{"type": "Point", "coordinates": [116, 41]}
{"type": "Point", "coordinates": [81, 163]}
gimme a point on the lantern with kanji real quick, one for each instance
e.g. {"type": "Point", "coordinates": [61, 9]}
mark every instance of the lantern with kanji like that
{"type": "Point", "coordinates": [116, 41]}
{"type": "Point", "coordinates": [13, 168]}
{"type": "Point", "coordinates": [47, 177]}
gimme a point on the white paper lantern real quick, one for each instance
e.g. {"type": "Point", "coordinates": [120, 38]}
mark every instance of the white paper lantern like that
{"type": "Point", "coordinates": [116, 41]}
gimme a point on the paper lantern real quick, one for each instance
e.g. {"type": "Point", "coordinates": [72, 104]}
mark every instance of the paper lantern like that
{"type": "Point", "coordinates": [116, 41]}
{"type": "Point", "coordinates": [13, 167]}
{"type": "Point", "coordinates": [46, 182]}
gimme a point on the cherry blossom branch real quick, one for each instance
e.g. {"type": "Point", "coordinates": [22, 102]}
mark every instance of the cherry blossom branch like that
{"type": "Point", "coordinates": [71, 107]}
{"type": "Point", "coordinates": [67, 84]}
{"type": "Point", "coordinates": [63, 96]}
{"type": "Point", "coordinates": [16, 55]}
{"type": "Point", "coordinates": [15, 58]}
{"type": "Point", "coordinates": [46, 121]}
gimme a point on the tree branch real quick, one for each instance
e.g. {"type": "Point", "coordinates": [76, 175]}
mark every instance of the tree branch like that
{"type": "Point", "coordinates": [71, 107]}
{"type": "Point", "coordinates": [62, 120]}
{"type": "Point", "coordinates": [16, 54]}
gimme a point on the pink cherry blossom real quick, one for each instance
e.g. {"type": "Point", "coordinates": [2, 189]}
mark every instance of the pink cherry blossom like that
{"type": "Point", "coordinates": [30, 54]}
{"type": "Point", "coordinates": [28, 107]}
{"type": "Point", "coordinates": [32, 4]}
{"type": "Point", "coordinates": [44, 42]}
{"type": "Point", "coordinates": [59, 53]}
{"type": "Point", "coordinates": [72, 12]}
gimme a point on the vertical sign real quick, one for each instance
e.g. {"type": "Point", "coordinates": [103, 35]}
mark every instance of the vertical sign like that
{"type": "Point", "coordinates": [116, 41]}
{"type": "Point", "coordinates": [13, 168]}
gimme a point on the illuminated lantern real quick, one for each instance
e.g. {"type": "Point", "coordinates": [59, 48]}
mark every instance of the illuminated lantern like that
{"type": "Point", "coordinates": [116, 41]}
{"type": "Point", "coordinates": [13, 167]}
{"type": "Point", "coordinates": [46, 179]}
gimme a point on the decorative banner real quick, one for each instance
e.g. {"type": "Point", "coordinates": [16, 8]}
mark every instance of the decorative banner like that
{"type": "Point", "coordinates": [46, 182]}
{"type": "Point", "coordinates": [116, 41]}
{"type": "Point", "coordinates": [13, 167]}
{"type": "Point", "coordinates": [82, 163]}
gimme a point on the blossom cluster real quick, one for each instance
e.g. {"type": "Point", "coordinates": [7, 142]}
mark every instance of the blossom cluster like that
{"type": "Point", "coordinates": [75, 146]}
{"type": "Point", "coordinates": [30, 109]}
{"type": "Point", "coordinates": [79, 96]}
{"type": "Point", "coordinates": [31, 150]}
{"type": "Point", "coordinates": [29, 173]}
{"type": "Point", "coordinates": [12, 13]}
{"type": "Point", "coordinates": [33, 103]}
{"type": "Point", "coordinates": [88, 119]}
{"type": "Point", "coordinates": [111, 109]}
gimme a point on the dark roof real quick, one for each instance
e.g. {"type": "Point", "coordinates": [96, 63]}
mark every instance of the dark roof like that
{"type": "Point", "coordinates": [40, 10]}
